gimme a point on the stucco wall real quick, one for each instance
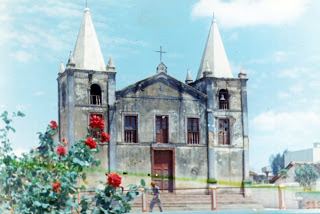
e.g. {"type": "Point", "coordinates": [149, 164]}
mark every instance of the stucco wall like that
{"type": "Point", "coordinates": [305, 155]}
{"type": "Point", "coordinates": [151, 102]}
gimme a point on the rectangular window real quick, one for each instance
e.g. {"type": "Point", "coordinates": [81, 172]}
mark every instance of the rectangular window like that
{"type": "Point", "coordinates": [224, 132]}
{"type": "Point", "coordinates": [193, 131]}
{"type": "Point", "coordinates": [162, 129]}
{"type": "Point", "coordinates": [96, 133]}
{"type": "Point", "coordinates": [131, 129]}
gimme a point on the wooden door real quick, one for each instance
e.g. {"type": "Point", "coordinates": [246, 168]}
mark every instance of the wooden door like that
{"type": "Point", "coordinates": [162, 128]}
{"type": "Point", "coordinates": [163, 170]}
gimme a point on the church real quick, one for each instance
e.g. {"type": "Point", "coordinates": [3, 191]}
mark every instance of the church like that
{"type": "Point", "coordinates": [179, 134]}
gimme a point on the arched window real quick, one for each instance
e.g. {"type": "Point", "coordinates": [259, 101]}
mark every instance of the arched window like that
{"type": "Point", "coordinates": [95, 94]}
{"type": "Point", "coordinates": [223, 99]}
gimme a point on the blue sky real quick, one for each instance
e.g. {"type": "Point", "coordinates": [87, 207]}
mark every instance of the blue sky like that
{"type": "Point", "coordinates": [278, 42]}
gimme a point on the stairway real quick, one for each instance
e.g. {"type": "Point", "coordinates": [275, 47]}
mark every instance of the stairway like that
{"type": "Point", "coordinates": [180, 202]}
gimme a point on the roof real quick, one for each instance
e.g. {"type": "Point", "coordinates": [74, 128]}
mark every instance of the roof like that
{"type": "Point", "coordinates": [87, 53]}
{"type": "Point", "coordinates": [215, 55]}
{"type": "Point", "coordinates": [167, 79]}
{"type": "Point", "coordinates": [292, 164]}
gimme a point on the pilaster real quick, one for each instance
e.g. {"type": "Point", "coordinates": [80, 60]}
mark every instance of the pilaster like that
{"type": "Point", "coordinates": [112, 121]}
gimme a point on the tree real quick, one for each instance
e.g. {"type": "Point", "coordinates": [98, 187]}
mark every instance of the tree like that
{"type": "Point", "coordinates": [306, 175]}
{"type": "Point", "coordinates": [277, 162]}
{"type": "Point", "coordinates": [283, 174]}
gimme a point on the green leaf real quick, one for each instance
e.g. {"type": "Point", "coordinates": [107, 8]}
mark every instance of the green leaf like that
{"type": "Point", "coordinates": [12, 129]}
{"type": "Point", "coordinates": [84, 176]}
{"type": "Point", "coordinates": [143, 183]}
{"type": "Point", "coordinates": [37, 204]}
{"type": "Point", "coordinates": [20, 114]}
{"type": "Point", "coordinates": [45, 206]}
{"type": "Point", "coordinates": [4, 114]}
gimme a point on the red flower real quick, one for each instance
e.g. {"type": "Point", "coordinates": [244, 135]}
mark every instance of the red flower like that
{"type": "Point", "coordinates": [91, 143]}
{"type": "Point", "coordinates": [61, 150]}
{"type": "Point", "coordinates": [53, 124]}
{"type": "Point", "coordinates": [104, 137]}
{"type": "Point", "coordinates": [96, 122]}
{"type": "Point", "coordinates": [114, 179]}
{"type": "Point", "coordinates": [56, 187]}
{"type": "Point", "coordinates": [65, 142]}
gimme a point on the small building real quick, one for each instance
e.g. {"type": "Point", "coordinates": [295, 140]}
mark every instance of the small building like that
{"type": "Point", "coordinates": [306, 155]}
{"type": "Point", "coordinates": [179, 134]}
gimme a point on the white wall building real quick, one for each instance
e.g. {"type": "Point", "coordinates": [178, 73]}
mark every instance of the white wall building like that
{"type": "Point", "coordinates": [306, 155]}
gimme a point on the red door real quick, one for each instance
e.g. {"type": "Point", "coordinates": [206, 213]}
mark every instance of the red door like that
{"type": "Point", "coordinates": [162, 129]}
{"type": "Point", "coordinates": [162, 170]}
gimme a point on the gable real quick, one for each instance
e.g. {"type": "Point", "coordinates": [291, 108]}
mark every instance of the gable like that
{"type": "Point", "coordinates": [161, 85]}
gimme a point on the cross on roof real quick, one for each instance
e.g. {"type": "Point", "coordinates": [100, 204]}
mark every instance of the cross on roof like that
{"type": "Point", "coordinates": [161, 52]}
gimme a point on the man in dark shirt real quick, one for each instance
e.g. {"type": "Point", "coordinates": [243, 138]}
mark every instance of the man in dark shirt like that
{"type": "Point", "coordinates": [156, 197]}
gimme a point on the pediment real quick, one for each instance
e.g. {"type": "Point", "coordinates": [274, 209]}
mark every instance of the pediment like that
{"type": "Point", "coordinates": [161, 85]}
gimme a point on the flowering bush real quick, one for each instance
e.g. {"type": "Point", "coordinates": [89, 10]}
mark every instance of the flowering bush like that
{"type": "Point", "coordinates": [61, 150]}
{"type": "Point", "coordinates": [104, 137]}
{"type": "Point", "coordinates": [114, 179]}
{"type": "Point", "coordinates": [45, 179]}
{"type": "Point", "coordinates": [96, 122]}
{"type": "Point", "coordinates": [91, 143]}
{"type": "Point", "coordinates": [56, 187]}
{"type": "Point", "coordinates": [53, 124]}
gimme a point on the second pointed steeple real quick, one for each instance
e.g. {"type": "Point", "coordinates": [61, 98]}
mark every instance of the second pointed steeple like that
{"type": "Point", "coordinates": [215, 55]}
{"type": "Point", "coordinates": [87, 53]}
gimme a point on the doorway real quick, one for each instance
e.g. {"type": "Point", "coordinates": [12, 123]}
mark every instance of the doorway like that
{"type": "Point", "coordinates": [162, 170]}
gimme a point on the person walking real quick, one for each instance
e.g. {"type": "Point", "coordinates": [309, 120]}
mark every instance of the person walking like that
{"type": "Point", "coordinates": [156, 197]}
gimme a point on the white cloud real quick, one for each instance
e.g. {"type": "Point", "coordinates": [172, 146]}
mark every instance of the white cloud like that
{"type": "Point", "coordinates": [279, 56]}
{"type": "Point", "coordinates": [22, 56]}
{"type": "Point", "coordinates": [233, 37]}
{"type": "Point", "coordinates": [301, 125]}
{"type": "Point", "coordinates": [239, 13]}
{"type": "Point", "coordinates": [39, 93]}
{"type": "Point", "coordinates": [283, 95]}
{"type": "Point", "coordinates": [294, 73]}
{"type": "Point", "coordinates": [297, 88]}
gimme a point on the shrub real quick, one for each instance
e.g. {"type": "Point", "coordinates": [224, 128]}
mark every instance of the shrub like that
{"type": "Point", "coordinates": [44, 180]}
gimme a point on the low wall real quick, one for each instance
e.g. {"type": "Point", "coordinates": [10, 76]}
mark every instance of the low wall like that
{"type": "Point", "coordinates": [268, 196]}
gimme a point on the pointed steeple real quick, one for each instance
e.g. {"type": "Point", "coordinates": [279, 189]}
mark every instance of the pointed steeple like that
{"type": "Point", "coordinates": [62, 69]}
{"type": "Point", "coordinates": [110, 66]}
{"type": "Point", "coordinates": [87, 52]}
{"type": "Point", "coordinates": [188, 78]}
{"type": "Point", "coordinates": [215, 55]}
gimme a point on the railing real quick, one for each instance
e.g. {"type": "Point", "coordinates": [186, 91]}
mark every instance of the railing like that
{"type": "Point", "coordinates": [193, 138]}
{"type": "Point", "coordinates": [223, 105]}
{"type": "Point", "coordinates": [130, 136]}
{"type": "Point", "coordinates": [95, 100]}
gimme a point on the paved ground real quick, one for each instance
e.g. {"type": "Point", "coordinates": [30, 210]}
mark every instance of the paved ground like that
{"type": "Point", "coordinates": [249, 212]}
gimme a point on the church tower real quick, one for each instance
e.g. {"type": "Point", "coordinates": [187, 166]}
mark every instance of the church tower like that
{"type": "Point", "coordinates": [86, 87]}
{"type": "Point", "coordinates": [227, 113]}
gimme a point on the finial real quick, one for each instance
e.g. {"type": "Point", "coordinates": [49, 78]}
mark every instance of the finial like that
{"type": "Point", "coordinates": [188, 78]}
{"type": "Point", "coordinates": [110, 67]}
{"type": "Point", "coordinates": [110, 63]}
{"type": "Point", "coordinates": [213, 19]}
{"type": "Point", "coordinates": [71, 61]}
{"type": "Point", "coordinates": [242, 71]}
{"type": "Point", "coordinates": [62, 69]}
